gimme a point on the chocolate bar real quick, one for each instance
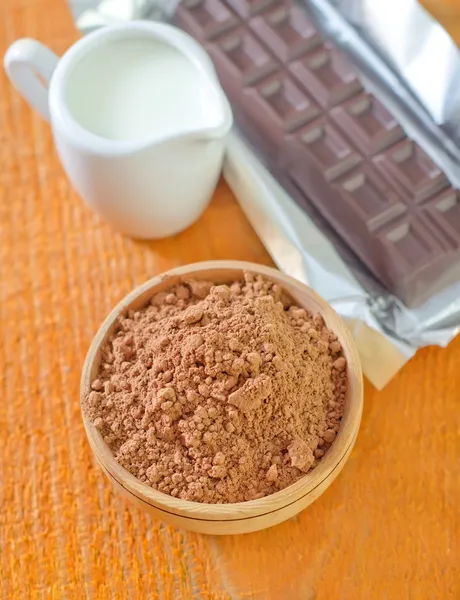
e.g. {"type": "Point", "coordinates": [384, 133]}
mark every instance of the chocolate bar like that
{"type": "Point", "coordinates": [332, 144]}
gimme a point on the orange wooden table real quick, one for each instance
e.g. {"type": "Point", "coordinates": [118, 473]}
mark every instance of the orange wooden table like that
{"type": "Point", "coordinates": [388, 528]}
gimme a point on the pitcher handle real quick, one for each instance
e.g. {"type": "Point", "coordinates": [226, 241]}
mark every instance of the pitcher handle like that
{"type": "Point", "coordinates": [29, 66]}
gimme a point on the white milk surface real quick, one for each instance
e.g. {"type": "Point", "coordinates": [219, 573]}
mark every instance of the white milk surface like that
{"type": "Point", "coordinates": [132, 89]}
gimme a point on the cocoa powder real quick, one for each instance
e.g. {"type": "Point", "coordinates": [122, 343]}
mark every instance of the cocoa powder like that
{"type": "Point", "coordinates": [219, 393]}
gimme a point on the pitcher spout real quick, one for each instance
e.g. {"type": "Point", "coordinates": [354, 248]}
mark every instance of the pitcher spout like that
{"type": "Point", "coordinates": [221, 129]}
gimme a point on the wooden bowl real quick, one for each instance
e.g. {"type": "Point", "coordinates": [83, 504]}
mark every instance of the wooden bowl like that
{"type": "Point", "coordinates": [240, 517]}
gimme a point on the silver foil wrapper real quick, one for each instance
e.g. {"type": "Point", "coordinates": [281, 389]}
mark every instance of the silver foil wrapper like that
{"type": "Point", "coordinates": [418, 50]}
{"type": "Point", "coordinates": [393, 44]}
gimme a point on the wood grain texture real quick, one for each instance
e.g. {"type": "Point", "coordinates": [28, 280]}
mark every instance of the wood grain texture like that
{"type": "Point", "coordinates": [387, 529]}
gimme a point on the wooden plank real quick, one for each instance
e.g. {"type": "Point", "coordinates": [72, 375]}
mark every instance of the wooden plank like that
{"type": "Point", "coordinates": [387, 528]}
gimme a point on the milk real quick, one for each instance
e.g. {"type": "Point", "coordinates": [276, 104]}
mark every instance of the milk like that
{"type": "Point", "coordinates": [139, 120]}
{"type": "Point", "coordinates": [134, 89]}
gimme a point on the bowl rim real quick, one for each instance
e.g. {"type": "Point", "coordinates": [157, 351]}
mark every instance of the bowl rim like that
{"type": "Point", "coordinates": [238, 511]}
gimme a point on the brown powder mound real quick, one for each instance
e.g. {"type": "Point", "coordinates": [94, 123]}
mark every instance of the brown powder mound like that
{"type": "Point", "coordinates": [219, 393]}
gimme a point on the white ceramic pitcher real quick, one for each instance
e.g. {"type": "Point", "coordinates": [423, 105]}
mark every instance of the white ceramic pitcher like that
{"type": "Point", "coordinates": [147, 188]}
